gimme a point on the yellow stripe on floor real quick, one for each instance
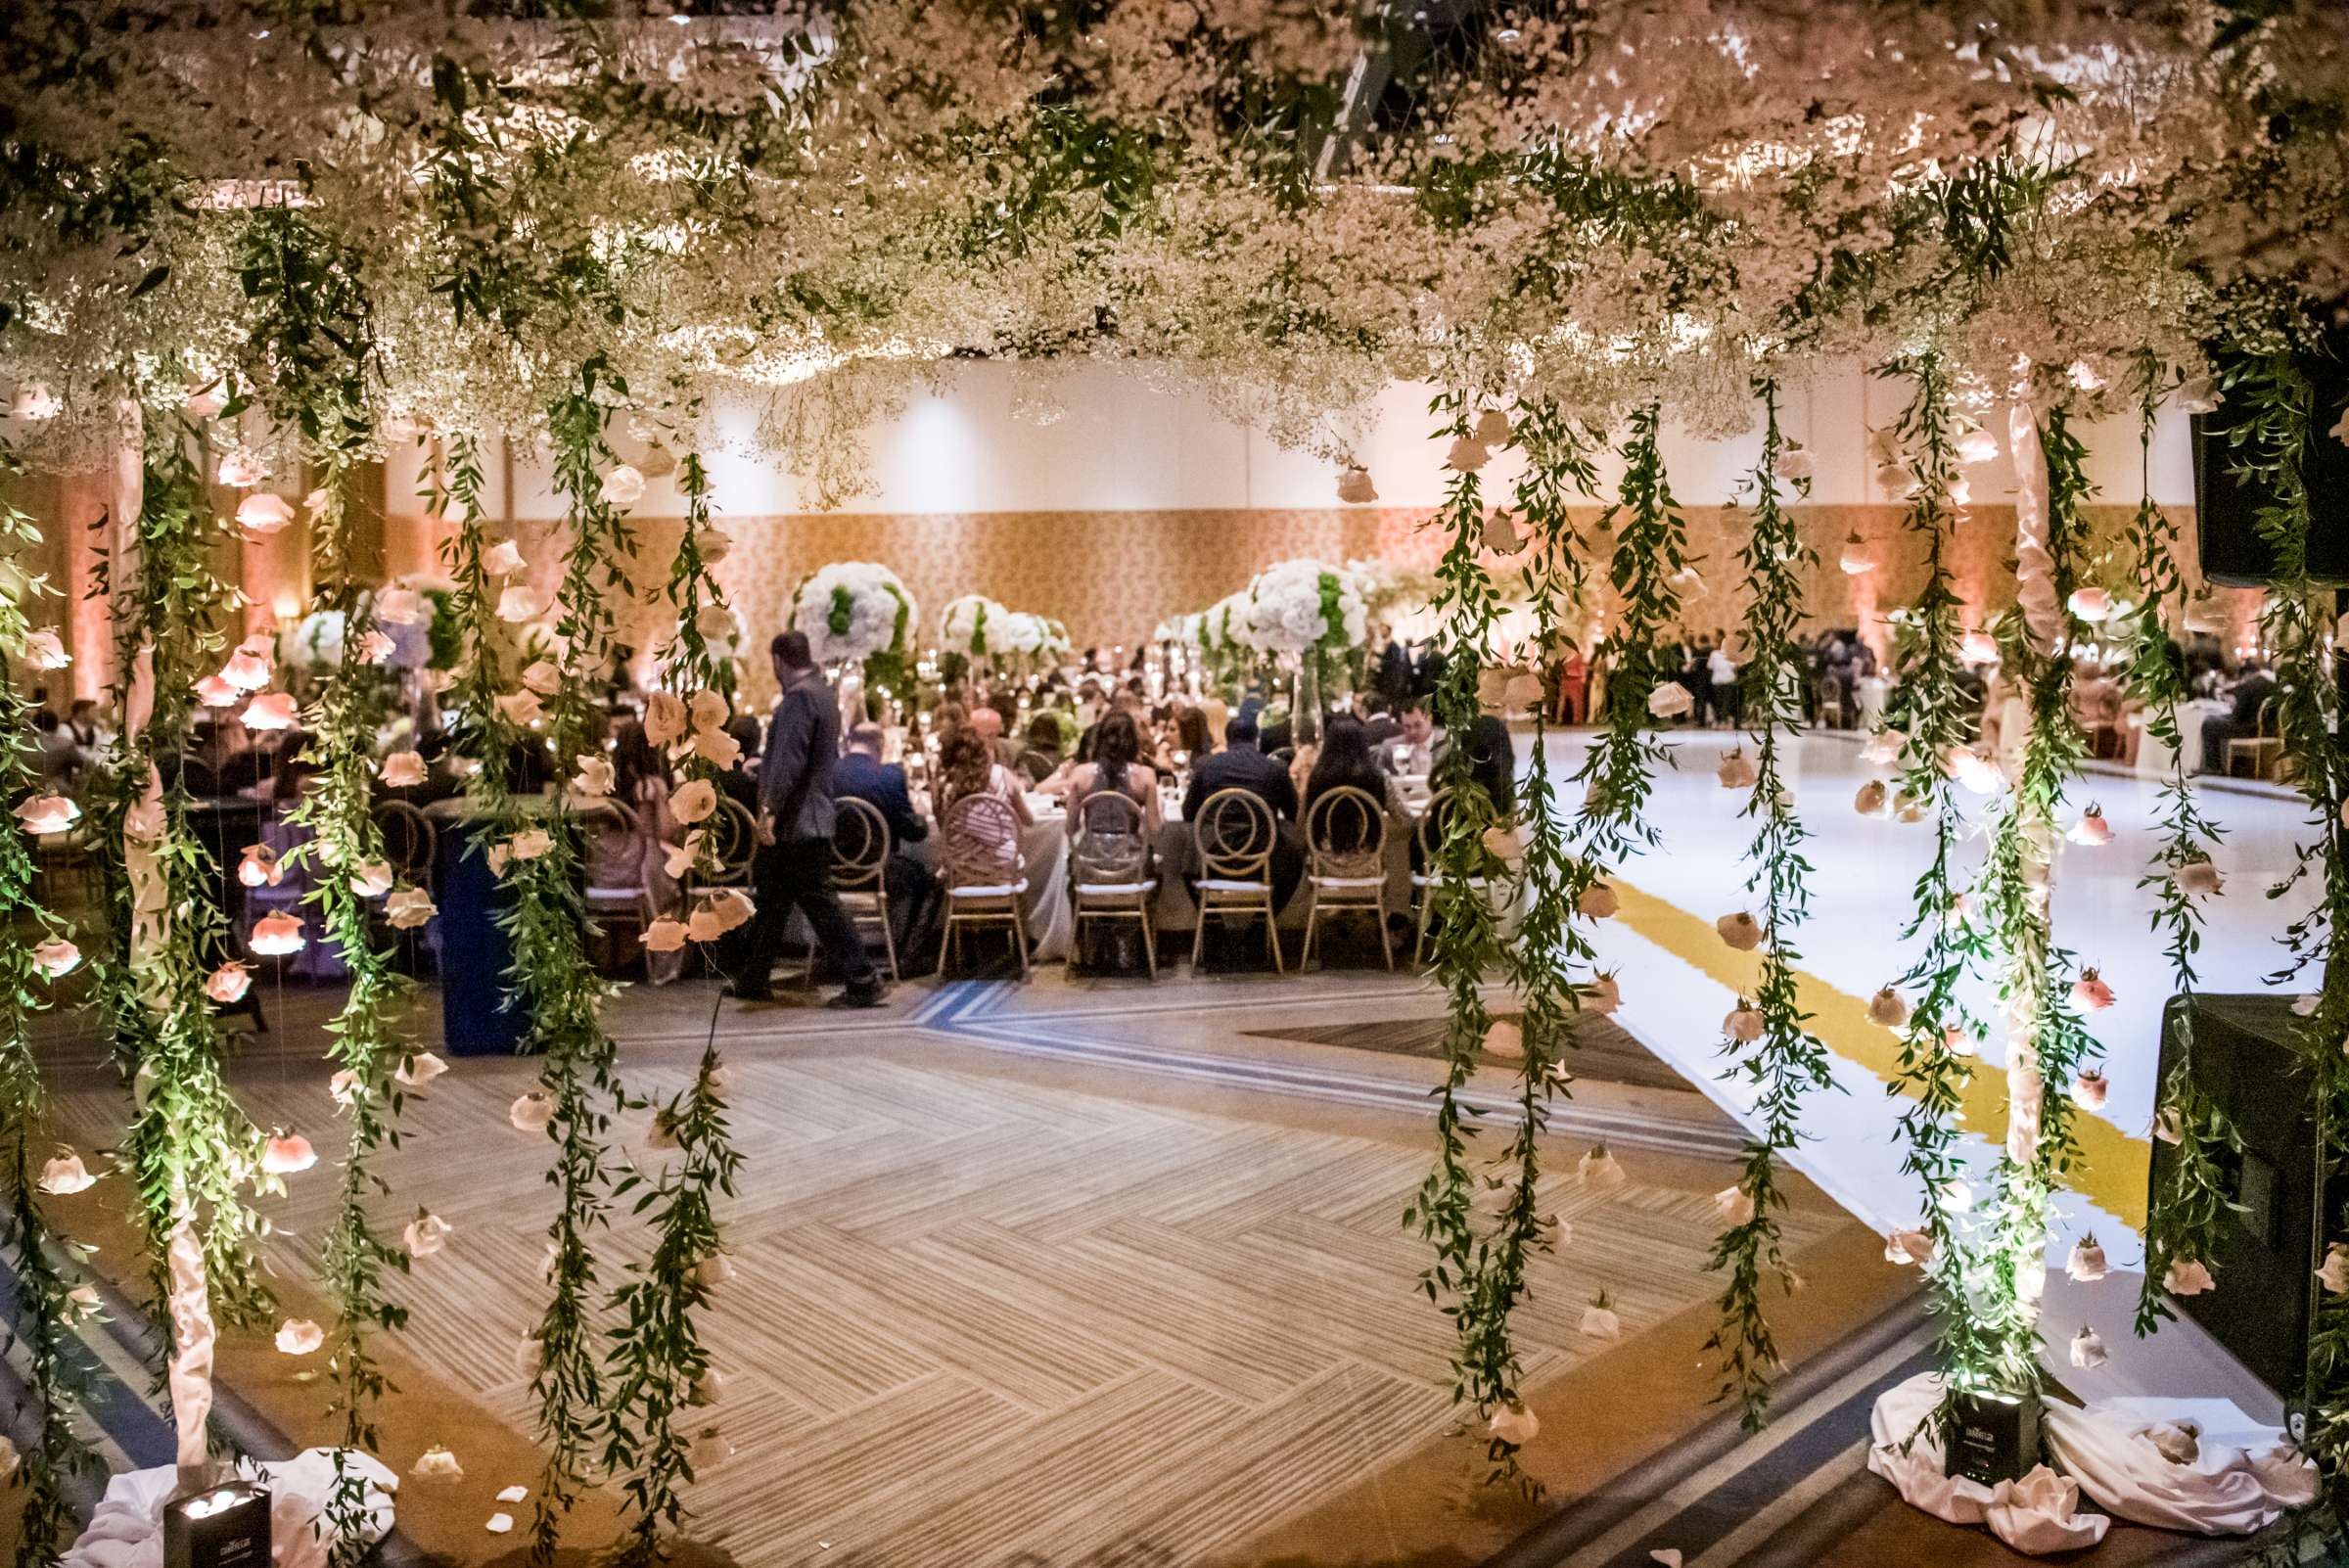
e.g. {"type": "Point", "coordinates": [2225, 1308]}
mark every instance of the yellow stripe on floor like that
{"type": "Point", "coordinates": [2112, 1171]}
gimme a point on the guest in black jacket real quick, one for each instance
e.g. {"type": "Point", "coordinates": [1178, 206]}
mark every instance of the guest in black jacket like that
{"type": "Point", "coordinates": [1241, 766]}
{"type": "Point", "coordinates": [915, 905]}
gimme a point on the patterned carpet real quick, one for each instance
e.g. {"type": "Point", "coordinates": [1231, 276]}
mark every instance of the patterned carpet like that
{"type": "Point", "coordinates": [1045, 1276]}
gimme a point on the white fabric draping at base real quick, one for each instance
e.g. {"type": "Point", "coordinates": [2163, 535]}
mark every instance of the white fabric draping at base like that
{"type": "Point", "coordinates": [2243, 1475]}
{"type": "Point", "coordinates": [2036, 1515]}
{"type": "Point", "coordinates": [2240, 1478]}
{"type": "Point", "coordinates": [126, 1528]}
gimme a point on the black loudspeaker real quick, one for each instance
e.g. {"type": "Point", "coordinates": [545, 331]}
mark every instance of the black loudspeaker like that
{"type": "Point", "coordinates": [2249, 1060]}
{"type": "Point", "coordinates": [2226, 503]}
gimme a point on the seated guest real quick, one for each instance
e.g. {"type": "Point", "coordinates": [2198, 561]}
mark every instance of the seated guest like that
{"type": "Point", "coordinates": [1040, 758]}
{"type": "Point", "coordinates": [914, 904]}
{"type": "Point", "coordinates": [1346, 762]}
{"type": "Point", "coordinates": [89, 729]}
{"type": "Point", "coordinates": [1187, 735]}
{"type": "Point", "coordinates": [860, 774]}
{"type": "Point", "coordinates": [1242, 765]}
{"type": "Point", "coordinates": [985, 847]}
{"type": "Point", "coordinates": [62, 755]}
{"type": "Point", "coordinates": [1490, 756]}
{"type": "Point", "coordinates": [738, 783]}
{"type": "Point", "coordinates": [1380, 727]}
{"type": "Point", "coordinates": [986, 720]}
{"type": "Point", "coordinates": [1422, 747]}
{"type": "Point", "coordinates": [1275, 730]}
{"type": "Point", "coordinates": [2255, 687]}
{"type": "Point", "coordinates": [625, 855]}
{"type": "Point", "coordinates": [1115, 769]}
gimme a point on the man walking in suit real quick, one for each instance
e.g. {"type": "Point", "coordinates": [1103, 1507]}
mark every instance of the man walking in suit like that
{"type": "Point", "coordinates": [793, 868]}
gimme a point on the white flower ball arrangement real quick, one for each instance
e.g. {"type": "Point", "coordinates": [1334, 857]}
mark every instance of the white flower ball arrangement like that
{"type": "Point", "coordinates": [1297, 606]}
{"type": "Point", "coordinates": [972, 624]}
{"type": "Point", "coordinates": [855, 611]}
{"type": "Point", "coordinates": [317, 642]}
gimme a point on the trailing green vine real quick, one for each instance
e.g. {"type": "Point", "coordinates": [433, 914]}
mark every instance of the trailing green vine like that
{"type": "Point", "coordinates": [551, 959]}
{"type": "Point", "coordinates": [38, 952]}
{"type": "Point", "coordinates": [2267, 443]}
{"type": "Point", "coordinates": [313, 351]}
{"type": "Point", "coordinates": [1466, 941]}
{"type": "Point", "coordinates": [659, 1366]}
{"type": "Point", "coordinates": [2191, 1208]}
{"type": "Point", "coordinates": [1786, 1060]}
{"type": "Point", "coordinates": [1933, 715]}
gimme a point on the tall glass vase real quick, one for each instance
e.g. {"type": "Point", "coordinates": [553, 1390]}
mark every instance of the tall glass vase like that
{"type": "Point", "coordinates": [1305, 705]}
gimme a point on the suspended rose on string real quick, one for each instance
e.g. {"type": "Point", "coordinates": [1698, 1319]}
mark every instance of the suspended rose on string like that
{"type": "Point", "coordinates": [407, 909]}
{"type": "Point", "coordinates": [275, 935]}
{"type": "Point", "coordinates": [42, 815]}
{"type": "Point", "coordinates": [64, 1174]}
{"type": "Point", "coordinates": [56, 957]}
{"type": "Point", "coordinates": [419, 1069]}
{"type": "Point", "coordinates": [299, 1336]}
{"type": "Point", "coordinates": [271, 711]}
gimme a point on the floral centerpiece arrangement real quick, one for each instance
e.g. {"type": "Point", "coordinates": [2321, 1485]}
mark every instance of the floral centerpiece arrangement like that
{"type": "Point", "coordinates": [1303, 609]}
{"type": "Point", "coordinates": [972, 625]}
{"type": "Point", "coordinates": [857, 613]}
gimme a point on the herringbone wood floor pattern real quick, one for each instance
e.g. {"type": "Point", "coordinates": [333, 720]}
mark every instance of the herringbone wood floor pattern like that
{"type": "Point", "coordinates": [983, 1316]}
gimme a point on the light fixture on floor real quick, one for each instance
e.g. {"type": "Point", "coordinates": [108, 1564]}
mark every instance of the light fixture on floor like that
{"type": "Point", "coordinates": [223, 1526]}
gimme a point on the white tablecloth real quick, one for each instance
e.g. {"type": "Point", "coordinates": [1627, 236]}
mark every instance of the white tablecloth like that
{"type": "Point", "coordinates": [2154, 757]}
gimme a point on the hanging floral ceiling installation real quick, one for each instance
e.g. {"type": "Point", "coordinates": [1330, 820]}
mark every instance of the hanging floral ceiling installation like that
{"type": "Point", "coordinates": [284, 238]}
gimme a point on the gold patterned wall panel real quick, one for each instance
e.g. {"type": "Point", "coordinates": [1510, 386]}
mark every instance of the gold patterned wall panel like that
{"type": "Point", "coordinates": [1113, 576]}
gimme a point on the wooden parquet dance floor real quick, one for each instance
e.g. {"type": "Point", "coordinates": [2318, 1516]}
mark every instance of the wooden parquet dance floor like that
{"type": "Point", "coordinates": [1007, 1294]}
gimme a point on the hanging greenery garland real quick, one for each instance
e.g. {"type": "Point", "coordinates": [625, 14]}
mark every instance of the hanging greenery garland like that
{"type": "Point", "coordinates": [2190, 1209]}
{"type": "Point", "coordinates": [314, 360]}
{"type": "Point", "coordinates": [1933, 717]}
{"type": "Point", "coordinates": [190, 1150]}
{"type": "Point", "coordinates": [2047, 1043]}
{"type": "Point", "coordinates": [530, 846]}
{"type": "Point", "coordinates": [41, 953]}
{"type": "Point", "coordinates": [659, 1366]}
{"type": "Point", "coordinates": [1466, 943]}
{"type": "Point", "coordinates": [1547, 947]}
{"type": "Point", "coordinates": [1767, 1040]}
{"type": "Point", "coordinates": [2269, 445]}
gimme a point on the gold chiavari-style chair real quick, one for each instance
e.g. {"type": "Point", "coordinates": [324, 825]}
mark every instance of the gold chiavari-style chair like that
{"type": "Point", "coordinates": [1428, 876]}
{"type": "Point", "coordinates": [618, 904]}
{"type": "Point", "coordinates": [861, 851]}
{"type": "Point", "coordinates": [1345, 863]}
{"type": "Point", "coordinates": [413, 845]}
{"type": "Point", "coordinates": [1236, 834]}
{"type": "Point", "coordinates": [981, 891]}
{"type": "Point", "coordinates": [2264, 746]}
{"type": "Point", "coordinates": [1110, 870]}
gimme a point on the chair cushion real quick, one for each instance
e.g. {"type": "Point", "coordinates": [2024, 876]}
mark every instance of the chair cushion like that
{"type": "Point", "coordinates": [1111, 890]}
{"type": "Point", "coordinates": [997, 890]}
{"type": "Point", "coordinates": [1348, 882]}
{"type": "Point", "coordinates": [1219, 885]}
{"type": "Point", "coordinates": [614, 895]}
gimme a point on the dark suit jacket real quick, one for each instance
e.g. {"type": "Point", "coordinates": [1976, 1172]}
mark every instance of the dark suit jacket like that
{"type": "Point", "coordinates": [2254, 690]}
{"type": "Point", "coordinates": [1241, 768]}
{"type": "Point", "coordinates": [856, 776]}
{"type": "Point", "coordinates": [803, 748]}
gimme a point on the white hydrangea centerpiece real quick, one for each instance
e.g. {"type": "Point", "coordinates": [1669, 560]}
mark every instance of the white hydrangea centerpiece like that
{"type": "Point", "coordinates": [856, 613]}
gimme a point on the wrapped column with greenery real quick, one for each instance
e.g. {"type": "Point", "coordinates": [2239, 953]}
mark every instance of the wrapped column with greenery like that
{"type": "Point", "coordinates": [2047, 1043]}
{"type": "Point", "coordinates": [192, 1151]}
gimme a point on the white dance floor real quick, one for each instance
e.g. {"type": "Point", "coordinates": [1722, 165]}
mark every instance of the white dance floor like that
{"type": "Point", "coordinates": [1865, 872]}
